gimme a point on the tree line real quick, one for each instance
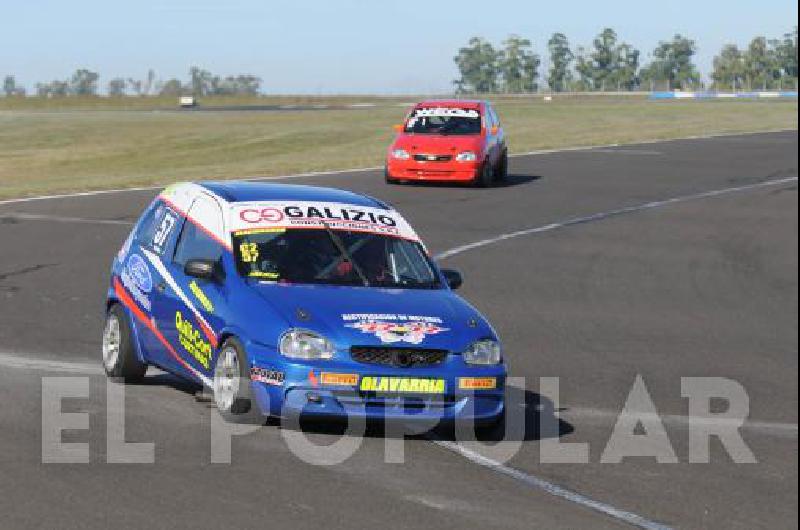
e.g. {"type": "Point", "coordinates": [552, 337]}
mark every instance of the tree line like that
{"type": "Point", "coordinates": [85, 82]}
{"type": "Point", "coordinates": [610, 64]}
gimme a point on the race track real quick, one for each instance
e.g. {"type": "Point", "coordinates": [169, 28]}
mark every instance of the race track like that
{"type": "Point", "coordinates": [667, 260]}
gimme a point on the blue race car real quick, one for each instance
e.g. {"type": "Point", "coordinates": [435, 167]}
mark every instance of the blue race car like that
{"type": "Point", "coordinates": [298, 300]}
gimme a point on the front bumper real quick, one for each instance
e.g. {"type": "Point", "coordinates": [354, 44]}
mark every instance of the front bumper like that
{"type": "Point", "coordinates": [451, 171]}
{"type": "Point", "coordinates": [307, 391]}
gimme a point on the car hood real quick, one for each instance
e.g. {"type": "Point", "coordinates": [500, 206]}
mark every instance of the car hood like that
{"type": "Point", "coordinates": [437, 144]}
{"type": "Point", "coordinates": [369, 316]}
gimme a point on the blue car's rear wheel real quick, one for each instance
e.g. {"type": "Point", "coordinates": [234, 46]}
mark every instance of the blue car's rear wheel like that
{"type": "Point", "coordinates": [232, 392]}
{"type": "Point", "coordinates": [119, 354]}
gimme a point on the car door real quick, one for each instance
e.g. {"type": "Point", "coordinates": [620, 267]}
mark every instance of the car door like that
{"type": "Point", "coordinates": [155, 241]}
{"type": "Point", "coordinates": [488, 135]}
{"type": "Point", "coordinates": [494, 135]}
{"type": "Point", "coordinates": [188, 308]}
{"type": "Point", "coordinates": [500, 137]}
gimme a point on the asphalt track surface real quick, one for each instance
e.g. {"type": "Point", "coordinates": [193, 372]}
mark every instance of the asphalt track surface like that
{"type": "Point", "coordinates": [618, 283]}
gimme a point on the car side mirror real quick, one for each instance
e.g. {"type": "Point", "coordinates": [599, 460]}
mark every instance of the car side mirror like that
{"type": "Point", "coordinates": [204, 269]}
{"type": "Point", "coordinates": [453, 278]}
{"type": "Point", "coordinates": [398, 127]}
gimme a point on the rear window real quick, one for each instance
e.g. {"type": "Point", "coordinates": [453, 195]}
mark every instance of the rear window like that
{"type": "Point", "coordinates": [157, 227]}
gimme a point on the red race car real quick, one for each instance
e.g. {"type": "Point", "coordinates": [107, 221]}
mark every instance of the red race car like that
{"type": "Point", "coordinates": [449, 141]}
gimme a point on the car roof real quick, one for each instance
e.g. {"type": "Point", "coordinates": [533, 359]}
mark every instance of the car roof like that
{"type": "Point", "coordinates": [239, 191]}
{"type": "Point", "coordinates": [460, 103]}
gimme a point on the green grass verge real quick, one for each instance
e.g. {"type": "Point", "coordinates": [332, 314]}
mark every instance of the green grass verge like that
{"type": "Point", "coordinates": [52, 146]}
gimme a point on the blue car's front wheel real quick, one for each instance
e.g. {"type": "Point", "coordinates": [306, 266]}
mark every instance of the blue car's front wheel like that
{"type": "Point", "coordinates": [231, 384]}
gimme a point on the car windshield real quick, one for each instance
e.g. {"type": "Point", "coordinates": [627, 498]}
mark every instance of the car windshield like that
{"type": "Point", "coordinates": [312, 256]}
{"type": "Point", "coordinates": [449, 121]}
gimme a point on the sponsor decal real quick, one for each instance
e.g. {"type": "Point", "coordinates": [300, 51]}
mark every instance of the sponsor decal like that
{"type": "Point", "coordinates": [442, 112]}
{"type": "Point", "coordinates": [390, 328]}
{"type": "Point", "coordinates": [259, 231]}
{"type": "Point", "coordinates": [201, 297]}
{"type": "Point", "coordinates": [136, 278]}
{"type": "Point", "coordinates": [267, 376]}
{"type": "Point", "coordinates": [312, 378]}
{"type": "Point", "coordinates": [330, 378]}
{"type": "Point", "coordinates": [192, 341]}
{"type": "Point", "coordinates": [258, 215]}
{"type": "Point", "coordinates": [477, 383]}
{"type": "Point", "coordinates": [304, 214]}
{"type": "Point", "coordinates": [446, 111]}
{"type": "Point", "coordinates": [406, 385]}
{"type": "Point", "coordinates": [268, 276]}
{"type": "Point", "coordinates": [140, 273]}
{"type": "Point", "coordinates": [311, 212]}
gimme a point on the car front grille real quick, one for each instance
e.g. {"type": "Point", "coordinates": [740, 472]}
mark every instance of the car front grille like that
{"type": "Point", "coordinates": [397, 357]}
{"type": "Point", "coordinates": [432, 158]}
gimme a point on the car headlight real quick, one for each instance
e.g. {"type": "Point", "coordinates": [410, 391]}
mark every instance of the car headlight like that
{"type": "Point", "coordinates": [483, 352]}
{"type": "Point", "coordinates": [400, 154]}
{"type": "Point", "coordinates": [467, 156]}
{"type": "Point", "coordinates": [303, 344]}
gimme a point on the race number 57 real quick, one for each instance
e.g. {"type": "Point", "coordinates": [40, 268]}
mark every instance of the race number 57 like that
{"type": "Point", "coordinates": [163, 232]}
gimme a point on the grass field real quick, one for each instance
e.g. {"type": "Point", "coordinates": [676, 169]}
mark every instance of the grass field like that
{"type": "Point", "coordinates": [49, 146]}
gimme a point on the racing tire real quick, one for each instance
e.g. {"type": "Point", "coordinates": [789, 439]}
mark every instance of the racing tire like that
{"type": "Point", "coordinates": [485, 178]}
{"type": "Point", "coordinates": [233, 395]}
{"type": "Point", "coordinates": [501, 172]}
{"type": "Point", "coordinates": [119, 354]}
{"type": "Point", "coordinates": [487, 426]}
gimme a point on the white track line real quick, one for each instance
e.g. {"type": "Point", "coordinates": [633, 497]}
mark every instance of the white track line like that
{"type": "Point", "coordinates": [62, 219]}
{"type": "Point", "coordinates": [76, 195]}
{"type": "Point", "coordinates": [26, 362]}
{"type": "Point", "coordinates": [611, 213]}
{"type": "Point", "coordinates": [376, 168]}
{"type": "Point", "coordinates": [550, 488]}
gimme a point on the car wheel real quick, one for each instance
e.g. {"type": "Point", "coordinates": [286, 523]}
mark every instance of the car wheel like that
{"type": "Point", "coordinates": [119, 354]}
{"type": "Point", "coordinates": [485, 178]}
{"type": "Point", "coordinates": [488, 426]}
{"type": "Point", "coordinates": [502, 168]}
{"type": "Point", "coordinates": [231, 384]}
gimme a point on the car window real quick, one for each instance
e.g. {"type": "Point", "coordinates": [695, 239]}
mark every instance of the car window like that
{"type": "Point", "coordinates": [157, 228]}
{"type": "Point", "coordinates": [312, 256]}
{"type": "Point", "coordinates": [145, 226]}
{"type": "Point", "coordinates": [194, 242]}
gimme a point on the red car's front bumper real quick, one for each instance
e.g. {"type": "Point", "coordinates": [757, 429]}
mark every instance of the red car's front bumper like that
{"type": "Point", "coordinates": [450, 171]}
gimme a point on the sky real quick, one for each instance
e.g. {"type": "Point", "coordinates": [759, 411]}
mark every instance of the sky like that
{"type": "Point", "coordinates": [343, 46]}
